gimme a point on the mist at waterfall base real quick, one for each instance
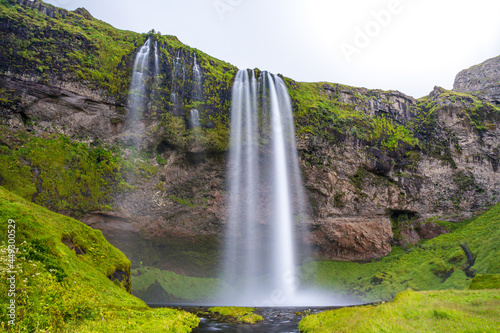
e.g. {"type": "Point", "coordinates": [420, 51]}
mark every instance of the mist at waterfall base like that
{"type": "Point", "coordinates": [267, 235]}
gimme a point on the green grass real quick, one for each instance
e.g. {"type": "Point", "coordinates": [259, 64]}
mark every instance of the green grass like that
{"type": "Point", "coordinates": [430, 311]}
{"type": "Point", "coordinates": [436, 264]}
{"type": "Point", "coordinates": [177, 286]}
{"type": "Point", "coordinates": [240, 314]}
{"type": "Point", "coordinates": [59, 290]}
{"type": "Point", "coordinates": [485, 281]}
{"type": "Point", "coordinates": [149, 320]}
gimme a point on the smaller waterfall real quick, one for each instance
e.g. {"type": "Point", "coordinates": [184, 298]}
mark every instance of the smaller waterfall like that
{"type": "Point", "coordinates": [195, 118]}
{"type": "Point", "coordinates": [175, 102]}
{"type": "Point", "coordinates": [157, 62]}
{"type": "Point", "coordinates": [178, 77]}
{"type": "Point", "coordinates": [197, 84]}
{"type": "Point", "coordinates": [137, 92]}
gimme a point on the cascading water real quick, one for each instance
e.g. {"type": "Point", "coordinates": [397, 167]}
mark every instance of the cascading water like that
{"type": "Point", "coordinates": [157, 62]}
{"type": "Point", "coordinates": [178, 77]}
{"type": "Point", "coordinates": [137, 92]}
{"type": "Point", "coordinates": [266, 208]}
{"type": "Point", "coordinates": [195, 118]}
{"type": "Point", "coordinates": [197, 91]}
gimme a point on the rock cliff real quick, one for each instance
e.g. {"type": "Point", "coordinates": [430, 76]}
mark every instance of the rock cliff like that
{"type": "Point", "coordinates": [481, 80]}
{"type": "Point", "coordinates": [378, 165]}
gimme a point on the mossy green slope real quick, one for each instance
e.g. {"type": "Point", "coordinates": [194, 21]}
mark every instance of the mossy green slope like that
{"type": "Point", "coordinates": [431, 311]}
{"type": "Point", "coordinates": [436, 264]}
{"type": "Point", "coordinates": [179, 287]}
{"type": "Point", "coordinates": [57, 289]}
{"type": "Point", "coordinates": [485, 281]}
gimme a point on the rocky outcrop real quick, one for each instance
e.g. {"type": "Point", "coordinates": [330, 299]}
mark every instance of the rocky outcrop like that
{"type": "Point", "coordinates": [431, 230]}
{"type": "Point", "coordinates": [392, 104]}
{"type": "Point", "coordinates": [67, 109]}
{"type": "Point", "coordinates": [42, 7]}
{"type": "Point", "coordinates": [353, 238]}
{"type": "Point", "coordinates": [482, 80]}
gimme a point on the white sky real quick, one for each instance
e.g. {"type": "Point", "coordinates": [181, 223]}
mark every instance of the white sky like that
{"type": "Point", "coordinates": [413, 46]}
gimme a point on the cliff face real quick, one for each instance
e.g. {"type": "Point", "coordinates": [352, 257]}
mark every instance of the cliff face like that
{"type": "Point", "coordinates": [481, 80]}
{"type": "Point", "coordinates": [377, 164]}
{"type": "Point", "coordinates": [357, 187]}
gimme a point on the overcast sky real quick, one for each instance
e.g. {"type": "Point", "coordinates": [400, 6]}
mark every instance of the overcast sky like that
{"type": "Point", "coordinates": [405, 45]}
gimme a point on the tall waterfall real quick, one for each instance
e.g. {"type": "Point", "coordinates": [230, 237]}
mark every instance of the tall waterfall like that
{"type": "Point", "coordinates": [266, 207]}
{"type": "Point", "coordinates": [137, 92]}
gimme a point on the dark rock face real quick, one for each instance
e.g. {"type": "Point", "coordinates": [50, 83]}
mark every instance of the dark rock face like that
{"type": "Point", "coordinates": [123, 277]}
{"type": "Point", "coordinates": [70, 110]}
{"type": "Point", "coordinates": [482, 80]}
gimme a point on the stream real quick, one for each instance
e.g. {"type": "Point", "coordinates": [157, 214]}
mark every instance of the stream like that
{"type": "Point", "coordinates": [276, 319]}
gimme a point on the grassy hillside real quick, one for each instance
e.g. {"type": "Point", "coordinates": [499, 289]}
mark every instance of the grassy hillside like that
{"type": "Point", "coordinates": [436, 264]}
{"type": "Point", "coordinates": [436, 311]}
{"type": "Point", "coordinates": [63, 280]}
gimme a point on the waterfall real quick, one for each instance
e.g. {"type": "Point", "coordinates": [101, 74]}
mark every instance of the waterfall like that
{"type": "Point", "coordinates": [137, 92]}
{"type": "Point", "coordinates": [197, 91]}
{"type": "Point", "coordinates": [266, 207]}
{"type": "Point", "coordinates": [195, 118]}
{"type": "Point", "coordinates": [178, 77]}
{"type": "Point", "coordinates": [157, 62]}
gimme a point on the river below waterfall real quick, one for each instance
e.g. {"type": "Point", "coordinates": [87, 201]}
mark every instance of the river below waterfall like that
{"type": "Point", "coordinates": [276, 319]}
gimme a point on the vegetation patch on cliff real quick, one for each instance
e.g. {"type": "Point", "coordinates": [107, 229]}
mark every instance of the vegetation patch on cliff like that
{"type": "Point", "coordinates": [62, 174]}
{"type": "Point", "coordinates": [324, 115]}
